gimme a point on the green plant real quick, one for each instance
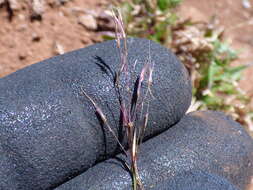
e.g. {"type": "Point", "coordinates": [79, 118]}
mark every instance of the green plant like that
{"type": "Point", "coordinates": [133, 100]}
{"type": "Point", "coordinates": [218, 78]}
{"type": "Point", "coordinates": [209, 60]}
{"type": "Point", "coordinates": [166, 4]}
{"type": "Point", "coordinates": [200, 47]}
{"type": "Point", "coordinates": [150, 19]}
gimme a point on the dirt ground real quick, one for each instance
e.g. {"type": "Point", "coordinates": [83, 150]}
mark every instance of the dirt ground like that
{"type": "Point", "coordinates": [24, 41]}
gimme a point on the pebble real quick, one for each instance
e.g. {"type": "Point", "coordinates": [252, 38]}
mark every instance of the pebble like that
{"type": "Point", "coordinates": [246, 4]}
{"type": "Point", "coordinates": [88, 21]}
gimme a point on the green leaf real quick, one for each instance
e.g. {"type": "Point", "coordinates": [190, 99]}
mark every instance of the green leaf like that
{"type": "Point", "coordinates": [162, 4]}
{"type": "Point", "coordinates": [213, 71]}
{"type": "Point", "coordinates": [227, 88]}
{"type": "Point", "coordinates": [212, 102]}
{"type": "Point", "coordinates": [167, 4]}
{"type": "Point", "coordinates": [237, 69]}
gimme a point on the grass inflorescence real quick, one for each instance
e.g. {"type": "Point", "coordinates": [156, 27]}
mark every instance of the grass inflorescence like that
{"type": "Point", "coordinates": [133, 101]}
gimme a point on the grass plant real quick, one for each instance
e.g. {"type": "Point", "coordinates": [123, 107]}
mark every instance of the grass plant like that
{"type": "Point", "coordinates": [133, 100]}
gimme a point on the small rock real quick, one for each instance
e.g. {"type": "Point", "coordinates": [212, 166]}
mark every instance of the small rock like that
{"type": "Point", "coordinates": [22, 56]}
{"type": "Point", "coordinates": [246, 4]}
{"type": "Point", "coordinates": [21, 17]}
{"type": "Point", "coordinates": [37, 9]}
{"type": "Point", "coordinates": [14, 5]}
{"type": "Point", "coordinates": [57, 3]}
{"type": "Point", "coordinates": [22, 27]}
{"type": "Point", "coordinates": [105, 21]}
{"type": "Point", "coordinates": [58, 49]}
{"type": "Point", "coordinates": [35, 37]}
{"type": "Point", "coordinates": [62, 1]}
{"type": "Point", "coordinates": [88, 21]}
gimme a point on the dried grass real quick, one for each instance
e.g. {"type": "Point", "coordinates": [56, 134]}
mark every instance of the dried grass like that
{"type": "Point", "coordinates": [132, 101]}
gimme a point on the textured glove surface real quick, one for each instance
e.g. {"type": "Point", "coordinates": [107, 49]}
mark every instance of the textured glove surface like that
{"type": "Point", "coordinates": [205, 149]}
{"type": "Point", "coordinates": [49, 131]}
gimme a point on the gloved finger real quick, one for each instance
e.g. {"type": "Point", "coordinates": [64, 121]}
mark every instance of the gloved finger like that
{"type": "Point", "coordinates": [206, 146]}
{"type": "Point", "coordinates": [49, 131]}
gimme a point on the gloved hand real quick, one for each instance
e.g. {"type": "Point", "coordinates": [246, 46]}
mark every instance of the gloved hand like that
{"type": "Point", "coordinates": [50, 133]}
{"type": "Point", "coordinates": [205, 150]}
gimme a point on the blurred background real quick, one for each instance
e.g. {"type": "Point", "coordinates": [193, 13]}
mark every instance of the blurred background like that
{"type": "Point", "coordinates": [213, 39]}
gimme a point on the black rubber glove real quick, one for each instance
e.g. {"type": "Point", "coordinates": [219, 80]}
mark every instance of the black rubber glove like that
{"type": "Point", "coordinates": [204, 151]}
{"type": "Point", "coordinates": [48, 129]}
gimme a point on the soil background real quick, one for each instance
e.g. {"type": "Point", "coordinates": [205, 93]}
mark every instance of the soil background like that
{"type": "Point", "coordinates": [25, 40]}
